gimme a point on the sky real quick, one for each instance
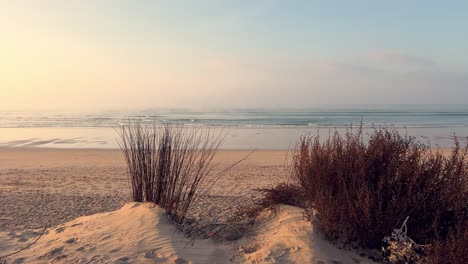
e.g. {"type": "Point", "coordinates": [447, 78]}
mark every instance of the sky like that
{"type": "Point", "coordinates": [113, 54]}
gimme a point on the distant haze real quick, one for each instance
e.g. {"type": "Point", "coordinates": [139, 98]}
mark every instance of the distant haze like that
{"type": "Point", "coordinates": [222, 54]}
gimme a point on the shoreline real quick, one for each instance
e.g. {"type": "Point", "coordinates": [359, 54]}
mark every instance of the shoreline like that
{"type": "Point", "coordinates": [116, 150]}
{"type": "Point", "coordinates": [266, 138]}
{"type": "Point", "coordinates": [3, 148]}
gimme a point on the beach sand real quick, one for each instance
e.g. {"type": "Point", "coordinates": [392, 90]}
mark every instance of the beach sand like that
{"type": "Point", "coordinates": [82, 196]}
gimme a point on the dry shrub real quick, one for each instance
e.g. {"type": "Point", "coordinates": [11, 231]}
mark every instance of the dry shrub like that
{"type": "Point", "coordinates": [283, 193]}
{"type": "Point", "coordinates": [168, 165]}
{"type": "Point", "coordinates": [360, 190]}
{"type": "Point", "coordinates": [452, 249]}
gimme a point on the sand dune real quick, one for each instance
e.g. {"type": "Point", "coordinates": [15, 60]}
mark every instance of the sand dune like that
{"type": "Point", "coordinates": [76, 191]}
{"type": "Point", "coordinates": [54, 186]}
{"type": "Point", "coordinates": [141, 233]}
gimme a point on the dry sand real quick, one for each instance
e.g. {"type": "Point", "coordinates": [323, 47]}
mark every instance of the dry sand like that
{"type": "Point", "coordinates": [52, 187]}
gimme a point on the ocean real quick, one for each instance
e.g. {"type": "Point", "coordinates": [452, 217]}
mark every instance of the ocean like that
{"type": "Point", "coordinates": [246, 128]}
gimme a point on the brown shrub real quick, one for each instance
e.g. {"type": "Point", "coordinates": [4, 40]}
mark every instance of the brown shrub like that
{"type": "Point", "coordinates": [283, 193]}
{"type": "Point", "coordinates": [452, 249]}
{"type": "Point", "coordinates": [361, 190]}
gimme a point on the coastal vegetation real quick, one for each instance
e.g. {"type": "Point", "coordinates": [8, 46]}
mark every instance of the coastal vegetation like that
{"type": "Point", "coordinates": [359, 190]}
{"type": "Point", "coordinates": [169, 166]}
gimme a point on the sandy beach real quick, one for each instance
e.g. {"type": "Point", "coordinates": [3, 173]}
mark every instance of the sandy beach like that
{"type": "Point", "coordinates": [52, 186]}
{"type": "Point", "coordinates": [82, 196]}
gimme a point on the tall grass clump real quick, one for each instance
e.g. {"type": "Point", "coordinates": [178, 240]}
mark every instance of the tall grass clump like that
{"type": "Point", "coordinates": [169, 165]}
{"type": "Point", "coordinates": [360, 190]}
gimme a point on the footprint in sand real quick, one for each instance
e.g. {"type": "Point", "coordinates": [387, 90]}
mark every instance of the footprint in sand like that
{"type": "Point", "coordinates": [87, 247]}
{"type": "Point", "coordinates": [122, 260]}
{"type": "Point", "coordinates": [71, 240]}
{"type": "Point", "coordinates": [55, 253]}
{"type": "Point", "coordinates": [106, 237]}
{"type": "Point", "coordinates": [114, 250]}
{"type": "Point", "coordinates": [59, 230]}
{"type": "Point", "coordinates": [99, 259]}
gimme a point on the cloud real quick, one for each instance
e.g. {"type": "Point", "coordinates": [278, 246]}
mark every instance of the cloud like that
{"type": "Point", "coordinates": [393, 57]}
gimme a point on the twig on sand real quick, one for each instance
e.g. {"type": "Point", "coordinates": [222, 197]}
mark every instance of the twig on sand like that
{"type": "Point", "coordinates": [3, 258]}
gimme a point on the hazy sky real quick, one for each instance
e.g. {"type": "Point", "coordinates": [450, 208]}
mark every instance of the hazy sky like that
{"type": "Point", "coordinates": [264, 53]}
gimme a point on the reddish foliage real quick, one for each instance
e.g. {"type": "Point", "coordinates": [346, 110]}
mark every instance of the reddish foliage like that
{"type": "Point", "coordinates": [361, 190]}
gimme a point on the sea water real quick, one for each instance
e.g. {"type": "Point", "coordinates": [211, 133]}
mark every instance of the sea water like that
{"type": "Point", "coordinates": [246, 128]}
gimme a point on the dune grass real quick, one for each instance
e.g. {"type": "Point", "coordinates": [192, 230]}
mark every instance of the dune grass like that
{"type": "Point", "coordinates": [169, 165]}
